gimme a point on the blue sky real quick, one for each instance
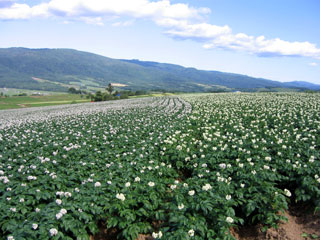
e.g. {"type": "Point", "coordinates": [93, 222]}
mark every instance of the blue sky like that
{"type": "Point", "coordinates": [275, 39]}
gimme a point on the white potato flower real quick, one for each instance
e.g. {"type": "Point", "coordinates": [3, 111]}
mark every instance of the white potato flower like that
{"type": "Point", "coordinates": [229, 219]}
{"type": "Point", "coordinates": [191, 192]}
{"type": "Point", "coordinates": [181, 206]}
{"type": "Point", "coordinates": [53, 231]}
{"type": "Point", "coordinates": [287, 193]}
{"type": "Point", "coordinates": [63, 211]}
{"type": "Point", "coordinates": [206, 187]}
{"type": "Point", "coordinates": [120, 196]}
{"type": "Point", "coordinates": [157, 235]}
{"type": "Point", "coordinates": [191, 232]}
{"type": "Point", "coordinates": [137, 179]}
{"type": "Point", "coordinates": [128, 184]}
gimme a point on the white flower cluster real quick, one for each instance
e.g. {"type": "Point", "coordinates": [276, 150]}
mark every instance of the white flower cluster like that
{"type": "Point", "coordinates": [311, 159]}
{"type": "Point", "coordinates": [191, 232]}
{"type": "Point", "coordinates": [128, 184]}
{"type": "Point", "coordinates": [53, 231]}
{"type": "Point", "coordinates": [206, 187]}
{"type": "Point", "coordinates": [64, 194]}
{"type": "Point", "coordinates": [120, 196]}
{"type": "Point", "coordinates": [229, 220]}
{"type": "Point", "coordinates": [151, 184]}
{"type": "Point", "coordinates": [181, 206]}
{"type": "Point", "coordinates": [31, 178]}
{"type": "Point", "coordinates": [157, 235]}
{"type": "Point", "coordinates": [287, 192]}
{"type": "Point", "coordinates": [97, 184]}
{"type": "Point", "coordinates": [61, 213]}
{"type": "Point", "coordinates": [191, 192]}
{"type": "Point", "coordinates": [137, 179]}
{"type": "Point", "coordinates": [4, 179]}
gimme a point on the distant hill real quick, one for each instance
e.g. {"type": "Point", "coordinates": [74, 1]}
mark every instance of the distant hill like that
{"type": "Point", "coordinates": [59, 69]}
{"type": "Point", "coordinates": [302, 84]}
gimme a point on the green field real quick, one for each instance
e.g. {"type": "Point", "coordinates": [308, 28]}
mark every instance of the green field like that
{"type": "Point", "coordinates": [17, 91]}
{"type": "Point", "coordinates": [13, 102]}
{"type": "Point", "coordinates": [38, 101]}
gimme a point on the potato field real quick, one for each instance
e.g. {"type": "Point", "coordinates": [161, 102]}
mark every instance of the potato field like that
{"type": "Point", "coordinates": [174, 168]}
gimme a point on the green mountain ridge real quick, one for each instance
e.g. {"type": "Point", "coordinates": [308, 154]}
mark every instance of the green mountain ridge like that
{"type": "Point", "coordinates": [58, 69]}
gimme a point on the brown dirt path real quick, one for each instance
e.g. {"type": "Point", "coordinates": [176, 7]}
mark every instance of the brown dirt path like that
{"type": "Point", "coordinates": [302, 224]}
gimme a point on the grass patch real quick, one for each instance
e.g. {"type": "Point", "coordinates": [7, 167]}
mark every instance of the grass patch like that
{"type": "Point", "coordinates": [16, 91]}
{"type": "Point", "coordinates": [38, 101]}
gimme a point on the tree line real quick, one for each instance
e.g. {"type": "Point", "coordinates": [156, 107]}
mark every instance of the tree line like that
{"type": "Point", "coordinates": [111, 94]}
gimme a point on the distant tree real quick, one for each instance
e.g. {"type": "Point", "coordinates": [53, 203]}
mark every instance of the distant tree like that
{"type": "Point", "coordinates": [72, 90]}
{"type": "Point", "coordinates": [98, 96]}
{"type": "Point", "coordinates": [107, 97]}
{"type": "Point", "coordinates": [128, 92]}
{"type": "Point", "coordinates": [91, 96]}
{"type": "Point", "coordinates": [141, 92]}
{"type": "Point", "coordinates": [310, 91]}
{"type": "Point", "coordinates": [109, 88]}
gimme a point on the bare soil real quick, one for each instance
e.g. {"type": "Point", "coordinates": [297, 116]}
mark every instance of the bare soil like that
{"type": "Point", "coordinates": [302, 224]}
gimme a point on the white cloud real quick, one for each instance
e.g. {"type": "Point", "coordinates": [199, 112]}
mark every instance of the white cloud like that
{"type": "Point", "coordinates": [101, 8]}
{"type": "Point", "coordinates": [199, 31]}
{"type": "Point", "coordinates": [313, 64]}
{"type": "Point", "coordinates": [264, 47]}
{"type": "Point", "coordinates": [92, 20]}
{"type": "Point", "coordinates": [23, 11]}
{"type": "Point", "coordinates": [131, 8]}
{"type": "Point", "coordinates": [179, 21]}
{"type": "Point", "coordinates": [123, 23]}
{"type": "Point", "coordinates": [285, 48]}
